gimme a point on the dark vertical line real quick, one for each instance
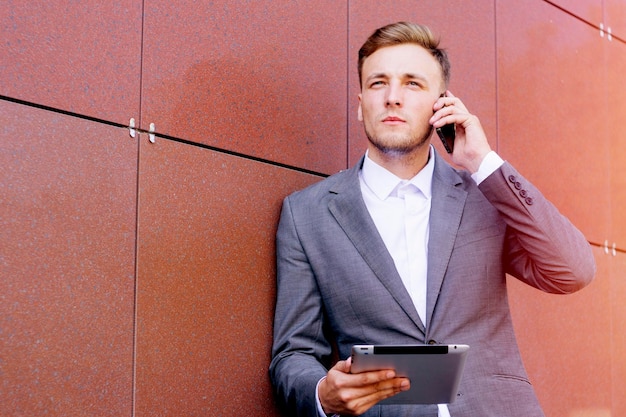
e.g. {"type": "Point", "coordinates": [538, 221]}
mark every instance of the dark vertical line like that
{"type": "Point", "coordinates": [135, 295]}
{"type": "Point", "coordinates": [137, 201]}
{"type": "Point", "coordinates": [348, 84]}
{"type": "Point", "coordinates": [497, 89]}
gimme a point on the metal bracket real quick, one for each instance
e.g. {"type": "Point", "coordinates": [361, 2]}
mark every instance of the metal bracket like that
{"type": "Point", "coordinates": [131, 128]}
{"type": "Point", "coordinates": [613, 249]}
{"type": "Point", "coordinates": [133, 131]}
{"type": "Point", "coordinates": [608, 31]}
{"type": "Point", "coordinates": [151, 134]}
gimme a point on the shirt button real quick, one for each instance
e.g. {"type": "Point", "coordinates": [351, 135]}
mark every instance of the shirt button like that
{"type": "Point", "coordinates": [432, 342]}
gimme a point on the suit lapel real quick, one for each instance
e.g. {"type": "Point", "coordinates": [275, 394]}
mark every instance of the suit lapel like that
{"type": "Point", "coordinates": [448, 201]}
{"type": "Point", "coordinates": [351, 213]}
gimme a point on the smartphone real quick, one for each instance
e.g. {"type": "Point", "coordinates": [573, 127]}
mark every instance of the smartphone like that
{"type": "Point", "coordinates": [447, 134]}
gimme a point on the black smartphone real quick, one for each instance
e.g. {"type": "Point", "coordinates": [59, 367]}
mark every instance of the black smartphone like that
{"type": "Point", "coordinates": [447, 134]}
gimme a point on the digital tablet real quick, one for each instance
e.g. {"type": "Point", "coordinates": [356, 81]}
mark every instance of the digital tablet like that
{"type": "Point", "coordinates": [434, 370]}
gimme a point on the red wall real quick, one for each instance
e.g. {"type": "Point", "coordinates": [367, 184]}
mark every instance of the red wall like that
{"type": "Point", "coordinates": [137, 275]}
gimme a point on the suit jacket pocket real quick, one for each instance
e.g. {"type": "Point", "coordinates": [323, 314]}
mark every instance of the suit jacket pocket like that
{"type": "Point", "coordinates": [467, 236]}
{"type": "Point", "coordinates": [512, 378]}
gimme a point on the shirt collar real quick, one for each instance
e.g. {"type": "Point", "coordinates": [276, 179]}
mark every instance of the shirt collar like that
{"type": "Point", "coordinates": [383, 183]}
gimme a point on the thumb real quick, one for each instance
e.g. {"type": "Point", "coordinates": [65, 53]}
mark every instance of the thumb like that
{"type": "Point", "coordinates": [343, 366]}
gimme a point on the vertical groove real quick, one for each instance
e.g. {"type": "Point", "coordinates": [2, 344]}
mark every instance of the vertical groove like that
{"type": "Point", "coordinates": [348, 84]}
{"type": "Point", "coordinates": [497, 90]}
{"type": "Point", "coordinates": [137, 191]}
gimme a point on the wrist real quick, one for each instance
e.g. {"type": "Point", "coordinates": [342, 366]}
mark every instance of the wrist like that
{"type": "Point", "coordinates": [320, 406]}
{"type": "Point", "coordinates": [488, 165]}
{"type": "Point", "coordinates": [473, 162]}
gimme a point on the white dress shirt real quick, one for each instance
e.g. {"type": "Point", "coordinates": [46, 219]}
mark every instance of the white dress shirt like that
{"type": "Point", "coordinates": [400, 210]}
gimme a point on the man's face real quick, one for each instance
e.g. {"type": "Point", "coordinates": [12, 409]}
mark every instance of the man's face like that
{"type": "Point", "coordinates": [400, 86]}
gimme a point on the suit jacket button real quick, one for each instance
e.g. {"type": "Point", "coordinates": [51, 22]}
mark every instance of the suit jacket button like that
{"type": "Point", "coordinates": [512, 178]}
{"type": "Point", "coordinates": [529, 201]}
{"type": "Point", "coordinates": [518, 185]}
{"type": "Point", "coordinates": [523, 193]}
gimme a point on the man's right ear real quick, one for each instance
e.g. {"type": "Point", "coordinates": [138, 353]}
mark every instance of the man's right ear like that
{"type": "Point", "coordinates": [359, 111]}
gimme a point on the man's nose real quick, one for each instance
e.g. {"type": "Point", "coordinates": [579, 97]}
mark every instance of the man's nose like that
{"type": "Point", "coordinates": [394, 95]}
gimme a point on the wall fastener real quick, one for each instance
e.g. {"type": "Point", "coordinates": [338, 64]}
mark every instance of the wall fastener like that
{"type": "Point", "coordinates": [152, 136]}
{"type": "Point", "coordinates": [131, 128]}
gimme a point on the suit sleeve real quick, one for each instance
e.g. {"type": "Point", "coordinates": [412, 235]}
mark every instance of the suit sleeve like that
{"type": "Point", "coordinates": [300, 350]}
{"type": "Point", "coordinates": [543, 248]}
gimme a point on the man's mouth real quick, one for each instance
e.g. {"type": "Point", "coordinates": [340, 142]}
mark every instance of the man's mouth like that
{"type": "Point", "coordinates": [393, 120]}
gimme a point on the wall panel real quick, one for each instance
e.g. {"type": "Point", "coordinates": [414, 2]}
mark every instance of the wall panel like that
{"type": "Point", "coordinates": [618, 332]}
{"type": "Point", "coordinates": [466, 30]}
{"type": "Point", "coordinates": [615, 17]}
{"type": "Point", "coordinates": [551, 84]}
{"type": "Point", "coordinates": [82, 57]}
{"type": "Point", "coordinates": [565, 343]}
{"type": "Point", "coordinates": [266, 80]}
{"type": "Point", "coordinates": [67, 236]}
{"type": "Point", "coordinates": [589, 10]}
{"type": "Point", "coordinates": [206, 282]}
{"type": "Point", "coordinates": [616, 141]}
{"type": "Point", "coordinates": [273, 81]}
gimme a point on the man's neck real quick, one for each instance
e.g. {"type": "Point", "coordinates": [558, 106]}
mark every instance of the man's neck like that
{"type": "Point", "coordinates": [404, 166]}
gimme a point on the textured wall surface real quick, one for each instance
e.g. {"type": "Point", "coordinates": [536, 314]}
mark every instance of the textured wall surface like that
{"type": "Point", "coordinates": [147, 145]}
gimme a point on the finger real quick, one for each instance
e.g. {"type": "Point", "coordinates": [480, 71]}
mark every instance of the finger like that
{"type": "Point", "coordinates": [341, 392]}
{"type": "Point", "coordinates": [446, 99]}
{"type": "Point", "coordinates": [444, 116]}
{"type": "Point", "coordinates": [439, 104]}
{"type": "Point", "coordinates": [363, 400]}
{"type": "Point", "coordinates": [448, 104]}
{"type": "Point", "coordinates": [376, 391]}
{"type": "Point", "coordinates": [393, 386]}
{"type": "Point", "coordinates": [340, 377]}
{"type": "Point", "coordinates": [374, 377]}
{"type": "Point", "coordinates": [450, 100]}
{"type": "Point", "coordinates": [343, 366]}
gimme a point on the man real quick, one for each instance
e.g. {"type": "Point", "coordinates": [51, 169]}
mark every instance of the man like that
{"type": "Point", "coordinates": [404, 249]}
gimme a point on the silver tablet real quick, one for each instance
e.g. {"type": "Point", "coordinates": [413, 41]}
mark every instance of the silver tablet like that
{"type": "Point", "coordinates": [434, 370]}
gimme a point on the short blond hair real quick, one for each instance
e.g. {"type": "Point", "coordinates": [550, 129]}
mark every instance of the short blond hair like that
{"type": "Point", "coordinates": [405, 32]}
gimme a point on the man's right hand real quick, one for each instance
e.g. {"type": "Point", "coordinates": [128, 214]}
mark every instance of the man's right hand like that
{"type": "Point", "coordinates": [353, 394]}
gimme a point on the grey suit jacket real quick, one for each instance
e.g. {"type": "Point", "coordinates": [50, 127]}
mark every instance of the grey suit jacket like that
{"type": "Point", "coordinates": [337, 285]}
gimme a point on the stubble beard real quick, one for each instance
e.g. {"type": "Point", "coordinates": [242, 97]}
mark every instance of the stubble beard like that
{"type": "Point", "coordinates": [398, 145]}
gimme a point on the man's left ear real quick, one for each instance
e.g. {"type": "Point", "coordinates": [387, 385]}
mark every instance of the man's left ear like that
{"type": "Point", "coordinates": [359, 111]}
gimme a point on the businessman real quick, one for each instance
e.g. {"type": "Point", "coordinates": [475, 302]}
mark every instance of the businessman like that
{"type": "Point", "coordinates": [404, 249]}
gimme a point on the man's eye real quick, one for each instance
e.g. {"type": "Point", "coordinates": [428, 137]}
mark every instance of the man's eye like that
{"type": "Point", "coordinates": [376, 83]}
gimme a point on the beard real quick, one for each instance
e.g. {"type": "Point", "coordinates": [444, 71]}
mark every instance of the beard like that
{"type": "Point", "coordinates": [398, 144]}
